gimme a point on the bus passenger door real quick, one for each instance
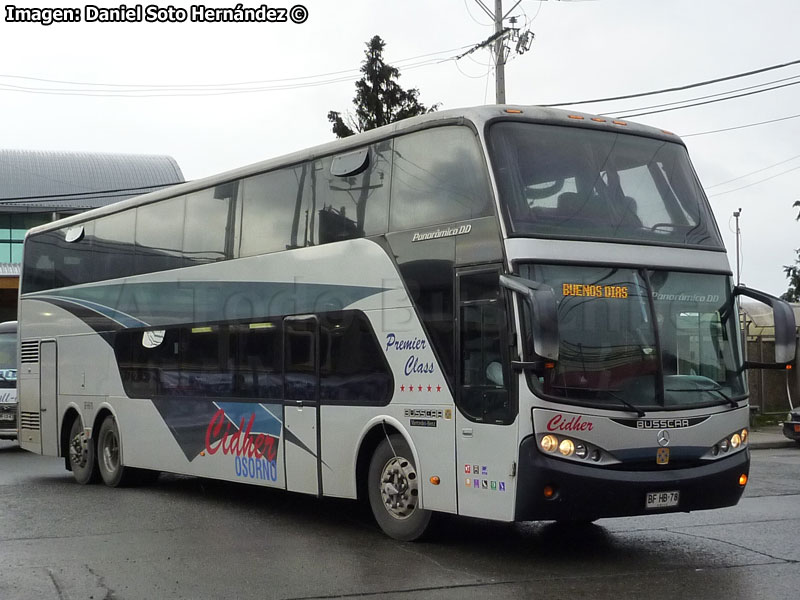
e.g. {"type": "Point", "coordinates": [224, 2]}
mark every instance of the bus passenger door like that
{"type": "Point", "coordinates": [301, 404]}
{"type": "Point", "coordinates": [48, 394]}
{"type": "Point", "coordinates": [486, 419]}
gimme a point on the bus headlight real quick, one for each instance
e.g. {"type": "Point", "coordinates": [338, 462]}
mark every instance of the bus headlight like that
{"type": "Point", "coordinates": [736, 441]}
{"type": "Point", "coordinates": [744, 435]}
{"type": "Point", "coordinates": [549, 443]}
{"type": "Point", "coordinates": [574, 449]}
{"type": "Point", "coordinates": [725, 445]}
{"type": "Point", "coordinates": [566, 447]}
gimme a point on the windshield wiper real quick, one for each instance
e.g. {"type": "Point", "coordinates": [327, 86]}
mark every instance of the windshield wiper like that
{"type": "Point", "coordinates": [639, 412]}
{"type": "Point", "coordinates": [633, 407]}
{"type": "Point", "coordinates": [728, 399]}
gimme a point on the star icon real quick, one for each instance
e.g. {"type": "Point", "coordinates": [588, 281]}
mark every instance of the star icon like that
{"type": "Point", "coordinates": [429, 388]}
{"type": "Point", "coordinates": [402, 388]}
{"type": "Point", "coordinates": [438, 388]}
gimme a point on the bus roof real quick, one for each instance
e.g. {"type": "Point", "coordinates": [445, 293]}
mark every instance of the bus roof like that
{"type": "Point", "coordinates": [478, 116]}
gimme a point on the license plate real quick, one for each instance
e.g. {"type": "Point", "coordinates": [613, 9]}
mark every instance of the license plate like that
{"type": "Point", "coordinates": [662, 499]}
{"type": "Point", "coordinates": [7, 416]}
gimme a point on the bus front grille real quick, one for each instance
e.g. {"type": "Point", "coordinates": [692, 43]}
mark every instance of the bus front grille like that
{"type": "Point", "coordinates": [29, 420]}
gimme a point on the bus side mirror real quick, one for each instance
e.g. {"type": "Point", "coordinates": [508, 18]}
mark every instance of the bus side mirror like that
{"type": "Point", "coordinates": [540, 300]}
{"type": "Point", "coordinates": [785, 328]}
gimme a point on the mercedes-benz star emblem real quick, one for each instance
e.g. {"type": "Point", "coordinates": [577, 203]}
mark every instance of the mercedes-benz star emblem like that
{"type": "Point", "coordinates": [663, 438]}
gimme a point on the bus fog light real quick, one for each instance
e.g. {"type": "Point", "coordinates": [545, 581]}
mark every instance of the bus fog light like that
{"type": "Point", "coordinates": [743, 479]}
{"type": "Point", "coordinates": [549, 443]}
{"type": "Point", "coordinates": [715, 450]}
{"type": "Point", "coordinates": [581, 451]}
{"type": "Point", "coordinates": [549, 492]}
{"type": "Point", "coordinates": [566, 447]}
{"type": "Point", "coordinates": [596, 455]}
{"type": "Point", "coordinates": [744, 435]}
{"type": "Point", "coordinates": [724, 445]}
{"type": "Point", "coordinates": [736, 441]}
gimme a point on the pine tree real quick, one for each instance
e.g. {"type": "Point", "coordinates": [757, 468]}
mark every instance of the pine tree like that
{"type": "Point", "coordinates": [793, 272]}
{"type": "Point", "coordinates": [379, 98]}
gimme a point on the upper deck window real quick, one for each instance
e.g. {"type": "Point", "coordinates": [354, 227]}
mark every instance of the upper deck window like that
{"type": "Point", "coordinates": [438, 176]}
{"type": "Point", "coordinates": [579, 183]}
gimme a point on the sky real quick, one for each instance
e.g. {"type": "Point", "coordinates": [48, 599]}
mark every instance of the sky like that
{"type": "Point", "coordinates": [216, 96]}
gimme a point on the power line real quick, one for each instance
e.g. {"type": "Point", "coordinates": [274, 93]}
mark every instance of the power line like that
{"type": "Point", "coordinates": [717, 95]}
{"type": "Point", "coordinates": [652, 112]}
{"type": "Point", "coordinates": [708, 187]}
{"type": "Point", "coordinates": [740, 126]}
{"type": "Point", "coordinates": [172, 86]}
{"type": "Point", "coordinates": [755, 182]}
{"type": "Point", "coordinates": [212, 89]}
{"type": "Point", "coordinates": [678, 88]}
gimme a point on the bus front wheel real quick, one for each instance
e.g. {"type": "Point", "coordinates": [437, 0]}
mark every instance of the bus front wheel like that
{"type": "Point", "coordinates": [82, 460]}
{"type": "Point", "coordinates": [394, 491]}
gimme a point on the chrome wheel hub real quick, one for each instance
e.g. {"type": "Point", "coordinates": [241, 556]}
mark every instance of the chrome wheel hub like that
{"type": "Point", "coordinates": [110, 452]}
{"type": "Point", "coordinates": [77, 450]}
{"type": "Point", "coordinates": [399, 489]}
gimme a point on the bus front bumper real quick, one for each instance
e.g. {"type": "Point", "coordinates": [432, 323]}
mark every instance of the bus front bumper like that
{"type": "Point", "coordinates": [583, 492]}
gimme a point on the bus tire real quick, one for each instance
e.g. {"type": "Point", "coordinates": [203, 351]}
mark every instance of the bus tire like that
{"type": "Point", "coordinates": [81, 454]}
{"type": "Point", "coordinates": [109, 454]}
{"type": "Point", "coordinates": [393, 487]}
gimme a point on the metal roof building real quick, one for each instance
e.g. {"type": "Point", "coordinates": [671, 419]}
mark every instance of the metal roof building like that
{"type": "Point", "coordinates": [37, 187]}
{"type": "Point", "coordinates": [71, 182]}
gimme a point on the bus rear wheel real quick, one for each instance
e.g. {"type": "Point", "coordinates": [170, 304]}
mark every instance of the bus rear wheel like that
{"type": "Point", "coordinates": [81, 451]}
{"type": "Point", "coordinates": [109, 454]}
{"type": "Point", "coordinates": [394, 491]}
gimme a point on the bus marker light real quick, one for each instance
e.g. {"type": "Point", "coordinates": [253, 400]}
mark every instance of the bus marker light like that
{"type": "Point", "coordinates": [566, 447]}
{"type": "Point", "coordinates": [743, 479]}
{"type": "Point", "coordinates": [580, 118]}
{"type": "Point", "coordinates": [435, 480]}
{"type": "Point", "coordinates": [549, 492]}
{"type": "Point", "coordinates": [549, 443]}
{"type": "Point", "coordinates": [513, 111]}
{"type": "Point", "coordinates": [598, 120]}
{"type": "Point", "coordinates": [619, 122]}
{"type": "Point", "coordinates": [744, 435]}
{"type": "Point", "coordinates": [550, 365]}
{"type": "Point", "coordinates": [736, 441]}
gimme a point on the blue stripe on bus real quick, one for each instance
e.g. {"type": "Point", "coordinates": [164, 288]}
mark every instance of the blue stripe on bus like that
{"type": "Point", "coordinates": [162, 304]}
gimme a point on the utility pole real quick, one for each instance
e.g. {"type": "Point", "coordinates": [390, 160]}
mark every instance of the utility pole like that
{"type": "Point", "coordinates": [500, 50]}
{"type": "Point", "coordinates": [499, 55]}
{"type": "Point", "coordinates": [736, 215]}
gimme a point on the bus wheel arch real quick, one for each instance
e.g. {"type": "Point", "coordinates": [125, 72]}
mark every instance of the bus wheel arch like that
{"type": "Point", "coordinates": [392, 483]}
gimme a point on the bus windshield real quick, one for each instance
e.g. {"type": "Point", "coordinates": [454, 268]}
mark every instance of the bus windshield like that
{"type": "Point", "coordinates": [651, 339]}
{"type": "Point", "coordinates": [8, 360]}
{"type": "Point", "coordinates": [572, 182]}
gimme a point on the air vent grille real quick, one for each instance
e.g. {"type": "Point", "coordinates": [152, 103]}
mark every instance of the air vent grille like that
{"type": "Point", "coordinates": [29, 420]}
{"type": "Point", "coordinates": [29, 352]}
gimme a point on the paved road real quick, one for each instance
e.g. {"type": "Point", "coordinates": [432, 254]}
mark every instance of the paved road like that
{"type": "Point", "coordinates": [191, 538]}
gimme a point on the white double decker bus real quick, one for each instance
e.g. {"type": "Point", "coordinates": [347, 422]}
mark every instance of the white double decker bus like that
{"type": "Point", "coordinates": [509, 313]}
